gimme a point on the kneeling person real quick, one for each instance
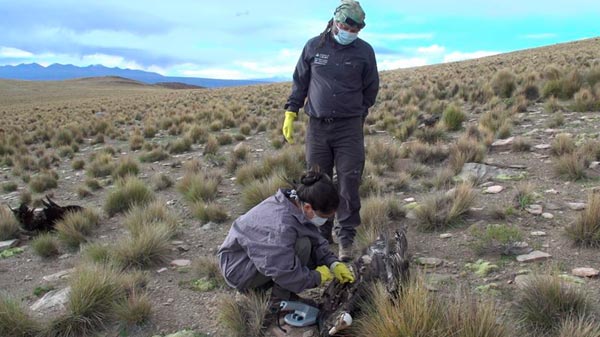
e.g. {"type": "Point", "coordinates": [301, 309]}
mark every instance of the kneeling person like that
{"type": "Point", "coordinates": [277, 243]}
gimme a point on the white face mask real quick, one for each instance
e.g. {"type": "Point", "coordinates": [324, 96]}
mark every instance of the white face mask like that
{"type": "Point", "coordinates": [344, 37]}
{"type": "Point", "coordinates": [316, 220]}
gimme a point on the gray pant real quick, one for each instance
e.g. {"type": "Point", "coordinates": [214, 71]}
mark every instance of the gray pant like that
{"type": "Point", "coordinates": [303, 249]}
{"type": "Point", "coordinates": [339, 143]}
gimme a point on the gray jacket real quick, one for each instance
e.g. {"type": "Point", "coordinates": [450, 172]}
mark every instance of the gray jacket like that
{"type": "Point", "coordinates": [263, 239]}
{"type": "Point", "coordinates": [339, 81]}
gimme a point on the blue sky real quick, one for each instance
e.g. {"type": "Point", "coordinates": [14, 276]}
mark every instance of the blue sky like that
{"type": "Point", "coordinates": [261, 39]}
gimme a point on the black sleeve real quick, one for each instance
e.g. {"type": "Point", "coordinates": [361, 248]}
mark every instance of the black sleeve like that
{"type": "Point", "coordinates": [301, 80]}
{"type": "Point", "coordinates": [370, 81]}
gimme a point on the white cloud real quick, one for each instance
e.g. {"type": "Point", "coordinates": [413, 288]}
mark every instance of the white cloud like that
{"type": "Point", "coordinates": [540, 36]}
{"type": "Point", "coordinates": [398, 36]}
{"type": "Point", "coordinates": [460, 56]}
{"type": "Point", "coordinates": [433, 49]}
{"type": "Point", "coordinates": [9, 52]}
{"type": "Point", "coordinates": [397, 63]}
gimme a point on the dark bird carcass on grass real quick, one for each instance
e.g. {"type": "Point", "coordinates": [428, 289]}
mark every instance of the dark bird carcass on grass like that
{"type": "Point", "coordinates": [44, 219]}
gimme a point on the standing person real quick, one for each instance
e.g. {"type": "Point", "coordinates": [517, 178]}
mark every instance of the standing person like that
{"type": "Point", "coordinates": [336, 81]}
{"type": "Point", "coordinates": [277, 244]}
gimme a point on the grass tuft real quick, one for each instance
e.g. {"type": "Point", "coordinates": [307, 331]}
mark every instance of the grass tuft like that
{"type": "Point", "coordinates": [453, 117]}
{"type": "Point", "coordinates": [45, 245]}
{"type": "Point", "coordinates": [128, 193]}
{"type": "Point", "coordinates": [141, 218]}
{"type": "Point", "coordinates": [259, 190]}
{"type": "Point", "coordinates": [150, 247]}
{"type": "Point", "coordinates": [15, 321]}
{"type": "Point", "coordinates": [570, 166]}
{"type": "Point", "coordinates": [443, 210]}
{"type": "Point", "coordinates": [585, 230]}
{"type": "Point", "coordinates": [135, 309]}
{"type": "Point", "coordinates": [125, 167]}
{"type": "Point", "coordinates": [75, 227]}
{"type": "Point", "coordinates": [579, 327]}
{"type": "Point", "coordinates": [209, 211]}
{"type": "Point", "coordinates": [197, 186]}
{"type": "Point", "coordinates": [244, 318]}
{"type": "Point", "coordinates": [9, 225]}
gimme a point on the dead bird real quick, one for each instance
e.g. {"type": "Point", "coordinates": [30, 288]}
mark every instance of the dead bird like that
{"type": "Point", "coordinates": [45, 219]}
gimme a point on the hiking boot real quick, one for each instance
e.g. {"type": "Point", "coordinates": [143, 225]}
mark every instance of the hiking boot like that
{"type": "Point", "coordinates": [345, 253]}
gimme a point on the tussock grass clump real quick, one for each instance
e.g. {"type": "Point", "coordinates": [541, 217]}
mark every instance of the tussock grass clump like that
{"type": "Point", "coordinates": [377, 211]}
{"type": "Point", "coordinates": [428, 153]}
{"type": "Point", "coordinates": [198, 134]}
{"type": "Point", "coordinates": [579, 327]}
{"type": "Point", "coordinates": [45, 245]}
{"type": "Point", "coordinates": [136, 142]}
{"type": "Point", "coordinates": [180, 145]}
{"type": "Point", "coordinates": [94, 291]}
{"type": "Point", "coordinates": [43, 182]}
{"type": "Point", "coordinates": [546, 300]}
{"type": "Point", "coordinates": [140, 218]}
{"type": "Point", "coordinates": [521, 144]}
{"type": "Point", "coordinates": [585, 101]}
{"type": "Point", "coordinates": [9, 225]}
{"type": "Point", "coordinates": [78, 164]}
{"type": "Point", "coordinates": [525, 195]}
{"type": "Point", "coordinates": [154, 155]}
{"type": "Point", "coordinates": [207, 267]}
{"type": "Point", "coordinates": [197, 186]}
{"type": "Point", "coordinates": [420, 312]}
{"type": "Point", "coordinates": [244, 318]}
{"type": "Point", "coordinates": [562, 144]}
{"type": "Point", "coordinates": [92, 184]}
{"type": "Point", "coordinates": [240, 152]}
{"type": "Point", "coordinates": [149, 131]}
{"type": "Point", "coordinates": [504, 83]}
{"type": "Point", "coordinates": [290, 162]}
{"type": "Point", "coordinates": [126, 166]}
{"type": "Point", "coordinates": [209, 212]}
{"type": "Point", "coordinates": [75, 227]}
{"type": "Point", "coordinates": [382, 153]}
{"type": "Point", "coordinates": [128, 192]}
{"type": "Point", "coordinates": [225, 139]}
{"type": "Point", "coordinates": [443, 210]}
{"type": "Point", "coordinates": [15, 321]}
{"type": "Point", "coordinates": [245, 129]}
{"type": "Point", "coordinates": [585, 230]}
{"type": "Point", "coordinates": [557, 119]}
{"type": "Point", "coordinates": [150, 247]}
{"type": "Point", "coordinates": [212, 146]}
{"type": "Point", "coordinates": [431, 135]}
{"type": "Point", "coordinates": [466, 150]}
{"type": "Point", "coordinates": [494, 238]}
{"type": "Point", "coordinates": [453, 117]}
{"type": "Point", "coordinates": [97, 252]}
{"type": "Point", "coordinates": [9, 186]}
{"type": "Point", "coordinates": [101, 166]}
{"type": "Point", "coordinates": [161, 182]}
{"type": "Point", "coordinates": [135, 309]}
{"type": "Point", "coordinates": [258, 190]}
{"type": "Point", "coordinates": [570, 166]}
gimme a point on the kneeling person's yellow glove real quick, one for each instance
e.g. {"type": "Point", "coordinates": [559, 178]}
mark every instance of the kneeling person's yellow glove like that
{"type": "Point", "coordinates": [325, 274]}
{"type": "Point", "coordinates": [342, 273]}
{"type": "Point", "coordinates": [288, 126]}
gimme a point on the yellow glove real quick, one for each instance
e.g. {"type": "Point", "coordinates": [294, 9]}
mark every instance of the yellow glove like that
{"type": "Point", "coordinates": [342, 273]}
{"type": "Point", "coordinates": [325, 274]}
{"type": "Point", "coordinates": [288, 126]}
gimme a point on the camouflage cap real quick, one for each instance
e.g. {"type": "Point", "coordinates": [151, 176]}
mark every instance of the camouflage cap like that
{"type": "Point", "coordinates": [350, 13]}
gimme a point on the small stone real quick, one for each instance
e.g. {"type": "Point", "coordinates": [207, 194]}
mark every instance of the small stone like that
{"type": "Point", "coordinates": [594, 164]}
{"type": "Point", "coordinates": [535, 209]}
{"type": "Point", "coordinates": [503, 143]}
{"type": "Point", "coordinates": [542, 146]}
{"type": "Point", "coordinates": [181, 263]}
{"type": "Point", "coordinates": [162, 270]}
{"type": "Point", "coordinates": [4, 245]}
{"type": "Point", "coordinates": [585, 272]}
{"type": "Point", "coordinates": [177, 243]}
{"type": "Point", "coordinates": [445, 236]}
{"type": "Point", "coordinates": [57, 276]}
{"type": "Point", "coordinates": [208, 226]}
{"type": "Point", "coordinates": [519, 248]}
{"type": "Point", "coordinates": [430, 261]}
{"type": "Point", "coordinates": [538, 233]}
{"type": "Point", "coordinates": [536, 255]}
{"type": "Point", "coordinates": [494, 189]}
{"type": "Point", "coordinates": [309, 333]}
{"type": "Point", "coordinates": [547, 216]}
{"type": "Point", "coordinates": [409, 200]}
{"type": "Point", "coordinates": [551, 191]}
{"type": "Point", "coordinates": [576, 206]}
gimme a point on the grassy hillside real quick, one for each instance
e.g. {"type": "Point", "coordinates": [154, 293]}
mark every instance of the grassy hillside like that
{"type": "Point", "coordinates": [164, 172]}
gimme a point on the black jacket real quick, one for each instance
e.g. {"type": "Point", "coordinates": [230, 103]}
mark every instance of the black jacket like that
{"type": "Point", "coordinates": [339, 81]}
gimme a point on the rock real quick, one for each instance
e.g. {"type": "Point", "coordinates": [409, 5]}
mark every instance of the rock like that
{"type": "Point", "coordinates": [538, 233]}
{"type": "Point", "coordinates": [576, 206]}
{"type": "Point", "coordinates": [594, 165]}
{"type": "Point", "coordinates": [57, 276]}
{"type": "Point", "coordinates": [585, 272]}
{"type": "Point", "coordinates": [533, 256]}
{"type": "Point", "coordinates": [445, 236]}
{"type": "Point", "coordinates": [309, 333]}
{"type": "Point", "coordinates": [519, 248]}
{"type": "Point", "coordinates": [494, 189]}
{"type": "Point", "coordinates": [475, 171]}
{"type": "Point", "coordinates": [535, 209]}
{"type": "Point", "coordinates": [552, 206]}
{"type": "Point", "coordinates": [430, 261]}
{"type": "Point", "coordinates": [542, 146]}
{"type": "Point", "coordinates": [181, 263]}
{"type": "Point", "coordinates": [52, 299]}
{"type": "Point", "coordinates": [4, 245]}
{"type": "Point", "coordinates": [503, 144]}
{"type": "Point", "coordinates": [551, 191]}
{"type": "Point", "coordinates": [208, 226]}
{"type": "Point", "coordinates": [162, 270]}
{"type": "Point", "coordinates": [409, 200]}
{"type": "Point", "coordinates": [547, 216]}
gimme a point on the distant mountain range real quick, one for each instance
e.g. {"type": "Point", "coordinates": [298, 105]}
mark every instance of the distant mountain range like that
{"type": "Point", "coordinates": [57, 72]}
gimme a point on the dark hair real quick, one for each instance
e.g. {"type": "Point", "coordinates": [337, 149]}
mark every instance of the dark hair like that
{"type": "Point", "coordinates": [318, 190]}
{"type": "Point", "coordinates": [324, 33]}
